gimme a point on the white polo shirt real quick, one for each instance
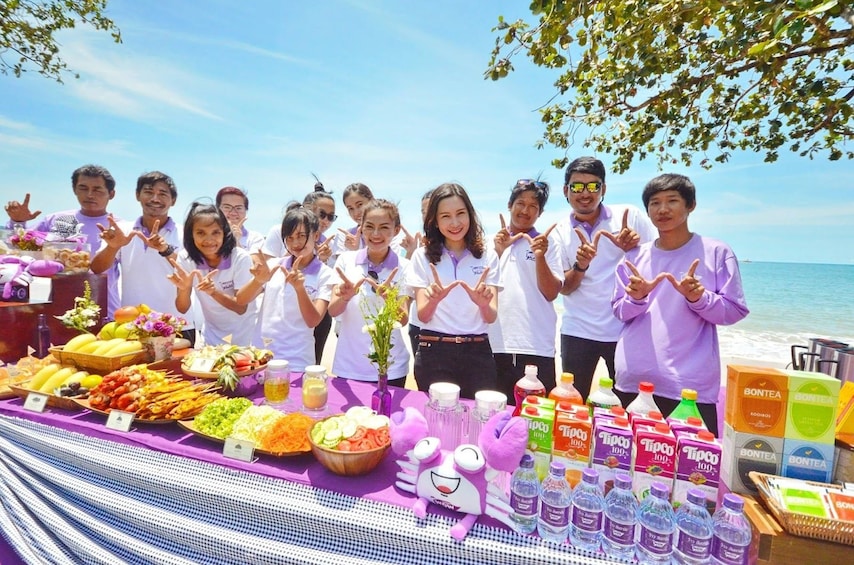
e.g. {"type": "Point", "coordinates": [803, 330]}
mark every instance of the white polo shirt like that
{"type": "Point", "coordinates": [144, 272]}
{"type": "Point", "coordinates": [218, 321]}
{"type": "Point", "coordinates": [527, 322]}
{"type": "Point", "coordinates": [456, 314]}
{"type": "Point", "coordinates": [587, 310]}
{"type": "Point", "coordinates": [354, 345]}
{"type": "Point", "coordinates": [280, 325]}
{"type": "Point", "coordinates": [274, 245]}
{"type": "Point", "coordinates": [251, 240]}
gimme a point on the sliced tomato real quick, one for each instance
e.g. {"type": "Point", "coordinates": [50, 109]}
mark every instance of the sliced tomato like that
{"type": "Point", "coordinates": [345, 445]}
{"type": "Point", "coordinates": [360, 433]}
{"type": "Point", "coordinates": [383, 437]}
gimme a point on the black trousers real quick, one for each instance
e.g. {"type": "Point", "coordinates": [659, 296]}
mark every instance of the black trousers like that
{"type": "Point", "coordinates": [510, 368]}
{"type": "Point", "coordinates": [580, 356]}
{"type": "Point", "coordinates": [321, 332]}
{"type": "Point", "coordinates": [469, 365]}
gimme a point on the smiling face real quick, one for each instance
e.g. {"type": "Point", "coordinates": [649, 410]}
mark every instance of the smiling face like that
{"type": "Point", "coordinates": [208, 238]}
{"type": "Point", "coordinates": [93, 195]}
{"type": "Point", "coordinates": [156, 200]}
{"type": "Point", "coordinates": [354, 203]}
{"type": "Point", "coordinates": [378, 229]}
{"type": "Point", "coordinates": [233, 207]}
{"type": "Point", "coordinates": [669, 212]}
{"type": "Point", "coordinates": [585, 204]}
{"type": "Point", "coordinates": [524, 212]}
{"type": "Point", "coordinates": [453, 220]}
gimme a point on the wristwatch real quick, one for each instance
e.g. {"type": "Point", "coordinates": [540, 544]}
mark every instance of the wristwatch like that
{"type": "Point", "coordinates": [576, 267]}
{"type": "Point", "coordinates": [170, 249]}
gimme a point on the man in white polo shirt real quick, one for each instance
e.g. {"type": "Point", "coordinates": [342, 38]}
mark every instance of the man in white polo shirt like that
{"type": "Point", "coordinates": [594, 240]}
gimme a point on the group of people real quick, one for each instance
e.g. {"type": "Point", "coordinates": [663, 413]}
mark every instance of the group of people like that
{"type": "Point", "coordinates": [640, 290]}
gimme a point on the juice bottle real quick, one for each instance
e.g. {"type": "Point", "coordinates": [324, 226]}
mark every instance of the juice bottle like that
{"type": "Point", "coordinates": [565, 390]}
{"type": "Point", "coordinates": [603, 397]}
{"type": "Point", "coordinates": [529, 384]}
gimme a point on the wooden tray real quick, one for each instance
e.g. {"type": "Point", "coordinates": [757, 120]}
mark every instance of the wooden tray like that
{"type": "Point", "coordinates": [84, 403]}
{"type": "Point", "coordinates": [190, 425]}
{"type": "Point", "coordinates": [214, 376]}
{"type": "Point", "coordinates": [804, 525]}
{"type": "Point", "coordinates": [53, 401]}
{"type": "Point", "coordinates": [99, 364]}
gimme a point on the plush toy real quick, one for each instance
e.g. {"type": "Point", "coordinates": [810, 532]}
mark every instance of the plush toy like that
{"type": "Point", "coordinates": [17, 272]}
{"type": "Point", "coordinates": [460, 480]}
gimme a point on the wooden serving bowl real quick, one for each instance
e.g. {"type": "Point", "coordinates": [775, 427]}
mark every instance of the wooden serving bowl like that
{"type": "Point", "coordinates": [348, 463]}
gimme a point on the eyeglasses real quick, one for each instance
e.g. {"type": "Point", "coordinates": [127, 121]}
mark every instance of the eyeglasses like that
{"type": "Point", "coordinates": [579, 187]}
{"type": "Point", "coordinates": [324, 216]}
{"type": "Point", "coordinates": [376, 276]}
{"type": "Point", "coordinates": [229, 208]}
{"type": "Point", "coordinates": [531, 182]}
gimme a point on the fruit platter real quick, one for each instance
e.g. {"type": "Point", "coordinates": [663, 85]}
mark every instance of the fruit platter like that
{"type": "Point", "coordinates": [62, 384]}
{"type": "Point", "coordinates": [225, 363]}
{"type": "Point", "coordinates": [152, 396]}
{"type": "Point", "coordinates": [271, 431]}
{"type": "Point", "coordinates": [17, 373]}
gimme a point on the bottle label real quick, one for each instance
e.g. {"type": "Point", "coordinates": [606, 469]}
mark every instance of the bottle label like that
{"type": "Point", "coordinates": [622, 534]}
{"type": "Point", "coordinates": [698, 548]}
{"type": "Point", "coordinates": [523, 505]}
{"type": "Point", "coordinates": [555, 516]}
{"type": "Point", "coordinates": [729, 553]}
{"type": "Point", "coordinates": [587, 520]}
{"type": "Point", "coordinates": [656, 543]}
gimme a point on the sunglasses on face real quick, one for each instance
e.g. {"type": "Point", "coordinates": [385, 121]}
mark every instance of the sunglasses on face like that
{"type": "Point", "coordinates": [531, 182]}
{"type": "Point", "coordinates": [324, 216]}
{"type": "Point", "coordinates": [579, 187]}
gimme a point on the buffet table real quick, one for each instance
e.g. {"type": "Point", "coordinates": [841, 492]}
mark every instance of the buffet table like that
{"type": "Point", "coordinates": [74, 491]}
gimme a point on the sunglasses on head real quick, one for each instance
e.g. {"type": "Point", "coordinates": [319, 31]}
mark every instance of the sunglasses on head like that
{"type": "Point", "coordinates": [324, 216]}
{"type": "Point", "coordinates": [376, 276]}
{"type": "Point", "coordinates": [531, 182]}
{"type": "Point", "coordinates": [579, 187]}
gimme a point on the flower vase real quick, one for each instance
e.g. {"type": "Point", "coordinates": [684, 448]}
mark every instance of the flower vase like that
{"type": "Point", "coordinates": [381, 398]}
{"type": "Point", "coordinates": [158, 348]}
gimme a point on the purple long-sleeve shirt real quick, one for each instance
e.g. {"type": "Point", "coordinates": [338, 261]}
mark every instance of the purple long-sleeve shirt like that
{"type": "Point", "coordinates": [667, 340]}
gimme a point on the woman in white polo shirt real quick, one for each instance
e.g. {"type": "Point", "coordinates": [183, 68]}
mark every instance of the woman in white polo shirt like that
{"type": "Point", "coordinates": [210, 269]}
{"type": "Point", "coordinates": [296, 291]}
{"type": "Point", "coordinates": [454, 276]}
{"type": "Point", "coordinates": [361, 273]}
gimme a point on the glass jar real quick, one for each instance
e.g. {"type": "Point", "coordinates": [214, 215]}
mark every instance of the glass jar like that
{"type": "Point", "coordinates": [486, 404]}
{"type": "Point", "coordinates": [445, 415]}
{"type": "Point", "coordinates": [315, 391]}
{"type": "Point", "coordinates": [277, 382]}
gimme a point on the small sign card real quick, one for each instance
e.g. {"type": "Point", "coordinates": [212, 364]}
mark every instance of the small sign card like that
{"type": "Point", "coordinates": [35, 402]}
{"type": "Point", "coordinates": [120, 421]}
{"type": "Point", "coordinates": [201, 365]}
{"type": "Point", "coordinates": [238, 449]}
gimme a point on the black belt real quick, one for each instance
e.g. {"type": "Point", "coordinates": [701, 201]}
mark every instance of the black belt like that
{"type": "Point", "coordinates": [453, 338]}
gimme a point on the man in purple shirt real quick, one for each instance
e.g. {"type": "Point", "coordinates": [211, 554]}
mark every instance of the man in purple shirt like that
{"type": "Point", "coordinates": [671, 294]}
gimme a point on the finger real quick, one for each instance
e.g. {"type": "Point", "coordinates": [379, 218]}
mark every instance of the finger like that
{"type": "Point", "coordinates": [323, 246]}
{"type": "Point", "coordinates": [405, 232]}
{"type": "Point", "coordinates": [297, 263]}
{"type": "Point", "coordinates": [693, 268]}
{"type": "Point", "coordinates": [633, 269]}
{"type": "Point", "coordinates": [211, 274]}
{"type": "Point", "coordinates": [390, 277]}
{"type": "Point", "coordinates": [174, 264]}
{"type": "Point", "coordinates": [503, 223]}
{"type": "Point", "coordinates": [626, 219]}
{"type": "Point", "coordinates": [435, 274]}
{"type": "Point", "coordinates": [596, 238]}
{"type": "Point", "coordinates": [35, 214]}
{"type": "Point", "coordinates": [196, 274]}
{"type": "Point", "coordinates": [549, 231]}
{"type": "Point", "coordinates": [241, 222]}
{"type": "Point", "coordinates": [580, 233]}
{"type": "Point", "coordinates": [482, 277]}
{"type": "Point", "coordinates": [113, 222]}
{"type": "Point", "coordinates": [26, 202]}
{"type": "Point", "coordinates": [155, 228]}
{"type": "Point", "coordinates": [343, 276]}
{"type": "Point", "coordinates": [345, 232]}
{"type": "Point", "coordinates": [358, 234]}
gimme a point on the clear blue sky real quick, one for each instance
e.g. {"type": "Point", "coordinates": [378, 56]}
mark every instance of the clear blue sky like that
{"type": "Point", "coordinates": [390, 93]}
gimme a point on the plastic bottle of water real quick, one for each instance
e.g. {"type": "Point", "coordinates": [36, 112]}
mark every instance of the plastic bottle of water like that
{"type": "Point", "coordinates": [655, 519]}
{"type": "Point", "coordinates": [525, 496]}
{"type": "Point", "coordinates": [555, 493]}
{"type": "Point", "coordinates": [643, 403]}
{"type": "Point", "coordinates": [692, 544]}
{"type": "Point", "coordinates": [731, 533]}
{"type": "Point", "coordinates": [588, 510]}
{"type": "Point", "coordinates": [621, 517]}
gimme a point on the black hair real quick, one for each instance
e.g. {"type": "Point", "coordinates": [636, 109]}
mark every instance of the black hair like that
{"type": "Point", "coordinates": [298, 215]}
{"type": "Point", "coordinates": [94, 171]}
{"type": "Point", "coordinates": [205, 209]}
{"type": "Point", "coordinates": [539, 188]}
{"type": "Point", "coordinates": [589, 165]}
{"type": "Point", "coordinates": [671, 181]}
{"type": "Point", "coordinates": [433, 238]}
{"type": "Point", "coordinates": [146, 180]}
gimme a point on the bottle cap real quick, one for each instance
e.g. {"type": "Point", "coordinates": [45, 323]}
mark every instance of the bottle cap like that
{"type": "Point", "coordinates": [581, 415]}
{"type": "Point", "coordinates": [621, 421]}
{"type": "Point", "coordinates": [662, 428]}
{"type": "Point", "coordinates": [696, 496]}
{"type": "Point", "coordinates": [623, 481]}
{"type": "Point", "coordinates": [659, 490]}
{"type": "Point", "coordinates": [618, 410]}
{"type": "Point", "coordinates": [733, 502]}
{"type": "Point", "coordinates": [490, 400]}
{"type": "Point", "coordinates": [605, 382]}
{"type": "Point", "coordinates": [655, 415]}
{"type": "Point", "coordinates": [646, 387]}
{"type": "Point", "coordinates": [532, 399]}
{"type": "Point", "coordinates": [557, 468]}
{"type": "Point", "coordinates": [532, 410]}
{"type": "Point", "coordinates": [590, 476]}
{"type": "Point", "coordinates": [315, 369]}
{"type": "Point", "coordinates": [705, 435]}
{"type": "Point", "coordinates": [527, 461]}
{"type": "Point", "coordinates": [694, 421]}
{"type": "Point", "coordinates": [530, 370]}
{"type": "Point", "coordinates": [689, 394]}
{"type": "Point", "coordinates": [277, 364]}
{"type": "Point", "coordinates": [567, 378]}
{"type": "Point", "coordinates": [445, 394]}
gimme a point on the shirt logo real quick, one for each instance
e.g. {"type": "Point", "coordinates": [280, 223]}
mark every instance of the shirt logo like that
{"type": "Point", "coordinates": [477, 270]}
{"type": "Point", "coordinates": [529, 256]}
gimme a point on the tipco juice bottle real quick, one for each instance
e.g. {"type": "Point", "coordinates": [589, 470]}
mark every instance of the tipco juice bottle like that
{"type": "Point", "coordinates": [573, 433]}
{"type": "Point", "coordinates": [613, 447]}
{"type": "Point", "coordinates": [698, 466]}
{"type": "Point", "coordinates": [540, 431]}
{"type": "Point", "coordinates": [655, 458]}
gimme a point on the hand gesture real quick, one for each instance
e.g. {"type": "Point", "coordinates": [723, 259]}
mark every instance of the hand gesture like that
{"type": "Point", "coordinates": [260, 269]}
{"type": "Point", "coordinates": [504, 239]}
{"type": "Point", "coordinates": [587, 250]}
{"type": "Point", "coordinates": [324, 251]}
{"type": "Point", "coordinates": [181, 278]}
{"type": "Point", "coordinates": [347, 289]}
{"type": "Point", "coordinates": [408, 242]}
{"type": "Point", "coordinates": [352, 241]}
{"type": "Point", "coordinates": [638, 287]}
{"type": "Point", "coordinates": [20, 211]}
{"type": "Point", "coordinates": [436, 291]}
{"type": "Point", "coordinates": [206, 284]}
{"type": "Point", "coordinates": [482, 293]}
{"type": "Point", "coordinates": [154, 240]}
{"type": "Point", "coordinates": [237, 229]}
{"type": "Point", "coordinates": [294, 276]}
{"type": "Point", "coordinates": [626, 238]}
{"type": "Point", "coordinates": [690, 286]}
{"type": "Point", "coordinates": [114, 236]}
{"type": "Point", "coordinates": [540, 244]}
{"type": "Point", "coordinates": [381, 287]}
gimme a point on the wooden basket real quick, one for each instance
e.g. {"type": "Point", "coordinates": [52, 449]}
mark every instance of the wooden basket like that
{"type": "Point", "coordinates": [804, 525]}
{"type": "Point", "coordinates": [100, 364]}
{"type": "Point", "coordinates": [53, 401]}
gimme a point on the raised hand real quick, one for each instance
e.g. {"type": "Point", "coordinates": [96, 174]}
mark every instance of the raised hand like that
{"type": "Point", "coordinates": [181, 278]}
{"type": "Point", "coordinates": [436, 291]}
{"type": "Point", "coordinates": [260, 269]}
{"type": "Point", "coordinates": [324, 250]}
{"type": "Point", "coordinates": [206, 284]}
{"type": "Point", "coordinates": [20, 211]}
{"type": "Point", "coordinates": [482, 293]}
{"type": "Point", "coordinates": [638, 287]}
{"type": "Point", "coordinates": [587, 250]}
{"type": "Point", "coordinates": [690, 286]}
{"type": "Point", "coordinates": [352, 241]}
{"type": "Point", "coordinates": [626, 238]}
{"type": "Point", "coordinates": [347, 289]}
{"type": "Point", "coordinates": [154, 239]}
{"type": "Point", "coordinates": [294, 276]}
{"type": "Point", "coordinates": [237, 229]}
{"type": "Point", "coordinates": [381, 287]}
{"type": "Point", "coordinates": [504, 239]}
{"type": "Point", "coordinates": [114, 236]}
{"type": "Point", "coordinates": [540, 244]}
{"type": "Point", "coordinates": [408, 243]}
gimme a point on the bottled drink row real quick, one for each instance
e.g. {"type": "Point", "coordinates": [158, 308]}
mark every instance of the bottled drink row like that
{"type": "Point", "coordinates": [619, 526]}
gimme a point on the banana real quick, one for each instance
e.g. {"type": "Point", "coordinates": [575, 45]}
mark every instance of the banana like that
{"type": "Point", "coordinates": [43, 375]}
{"type": "Point", "coordinates": [55, 380]}
{"type": "Point", "coordinates": [106, 345]}
{"type": "Point", "coordinates": [91, 346]}
{"type": "Point", "coordinates": [79, 341]}
{"type": "Point", "coordinates": [76, 377]}
{"type": "Point", "coordinates": [129, 346]}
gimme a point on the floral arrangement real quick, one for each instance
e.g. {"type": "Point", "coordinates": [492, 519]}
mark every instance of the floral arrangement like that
{"type": "Point", "coordinates": [380, 325]}
{"type": "Point", "coordinates": [27, 240]}
{"type": "Point", "coordinates": [85, 313]}
{"type": "Point", "coordinates": [156, 324]}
